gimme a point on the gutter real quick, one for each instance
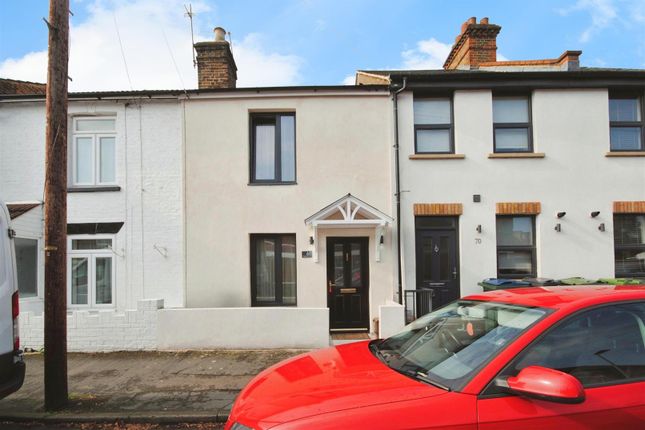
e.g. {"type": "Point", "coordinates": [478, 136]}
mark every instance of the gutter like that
{"type": "Point", "coordinates": [397, 176]}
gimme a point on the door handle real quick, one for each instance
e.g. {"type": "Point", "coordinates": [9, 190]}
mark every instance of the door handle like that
{"type": "Point", "coordinates": [454, 273]}
{"type": "Point", "coordinates": [330, 285]}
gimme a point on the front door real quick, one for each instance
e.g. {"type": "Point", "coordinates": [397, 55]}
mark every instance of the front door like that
{"type": "Point", "coordinates": [436, 252]}
{"type": "Point", "coordinates": [348, 283]}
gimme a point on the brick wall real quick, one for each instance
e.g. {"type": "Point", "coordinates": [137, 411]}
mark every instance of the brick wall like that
{"type": "Point", "coordinates": [215, 65]}
{"type": "Point", "coordinates": [102, 330]}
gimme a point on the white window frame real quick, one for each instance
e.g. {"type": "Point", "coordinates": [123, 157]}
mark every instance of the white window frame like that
{"type": "Point", "coordinates": [91, 255]}
{"type": "Point", "coordinates": [39, 268]}
{"type": "Point", "coordinates": [96, 136]}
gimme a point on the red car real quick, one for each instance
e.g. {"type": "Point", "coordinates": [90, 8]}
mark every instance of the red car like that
{"type": "Point", "coordinates": [530, 358]}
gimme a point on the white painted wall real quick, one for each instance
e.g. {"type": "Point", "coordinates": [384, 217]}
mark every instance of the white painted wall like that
{"type": "Point", "coordinates": [149, 162]}
{"type": "Point", "coordinates": [243, 328]}
{"type": "Point", "coordinates": [343, 145]}
{"type": "Point", "coordinates": [572, 128]}
{"type": "Point", "coordinates": [99, 331]}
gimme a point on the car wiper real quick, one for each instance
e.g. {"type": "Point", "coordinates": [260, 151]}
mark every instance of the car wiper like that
{"type": "Point", "coordinates": [423, 377]}
{"type": "Point", "coordinates": [379, 354]}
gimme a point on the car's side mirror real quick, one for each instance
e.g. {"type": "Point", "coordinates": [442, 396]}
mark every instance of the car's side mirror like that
{"type": "Point", "coordinates": [544, 384]}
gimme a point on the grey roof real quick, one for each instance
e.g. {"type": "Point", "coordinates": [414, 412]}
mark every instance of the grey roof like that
{"type": "Point", "coordinates": [189, 92]}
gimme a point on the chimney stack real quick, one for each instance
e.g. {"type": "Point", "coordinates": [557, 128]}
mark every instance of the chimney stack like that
{"type": "Point", "coordinates": [215, 63]}
{"type": "Point", "coordinates": [476, 44]}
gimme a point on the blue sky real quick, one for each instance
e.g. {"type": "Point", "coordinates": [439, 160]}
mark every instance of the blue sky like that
{"type": "Point", "coordinates": [303, 42]}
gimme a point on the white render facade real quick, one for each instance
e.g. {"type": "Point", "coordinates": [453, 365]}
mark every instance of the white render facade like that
{"type": "Point", "coordinates": [340, 188]}
{"type": "Point", "coordinates": [571, 169]}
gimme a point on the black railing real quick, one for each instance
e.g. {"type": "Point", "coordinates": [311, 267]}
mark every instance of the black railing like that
{"type": "Point", "coordinates": [417, 303]}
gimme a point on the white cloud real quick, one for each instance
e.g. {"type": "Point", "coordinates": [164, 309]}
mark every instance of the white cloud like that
{"type": "Point", "coordinates": [428, 54]}
{"type": "Point", "coordinates": [602, 12]}
{"type": "Point", "coordinates": [257, 67]}
{"type": "Point", "coordinates": [96, 62]}
{"type": "Point", "coordinates": [349, 80]}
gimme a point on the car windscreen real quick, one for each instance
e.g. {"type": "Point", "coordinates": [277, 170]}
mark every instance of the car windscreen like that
{"type": "Point", "coordinates": [446, 347]}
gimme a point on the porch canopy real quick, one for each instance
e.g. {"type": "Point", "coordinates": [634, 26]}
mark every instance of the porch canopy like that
{"type": "Point", "coordinates": [349, 212]}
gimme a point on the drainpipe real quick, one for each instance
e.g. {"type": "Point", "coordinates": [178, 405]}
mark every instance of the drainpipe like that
{"type": "Point", "coordinates": [397, 179]}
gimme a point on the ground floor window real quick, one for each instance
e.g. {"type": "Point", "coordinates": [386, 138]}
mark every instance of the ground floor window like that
{"type": "Point", "coordinates": [516, 246]}
{"type": "Point", "coordinates": [27, 266]}
{"type": "Point", "coordinates": [91, 271]}
{"type": "Point", "coordinates": [273, 269]}
{"type": "Point", "coordinates": [629, 245]}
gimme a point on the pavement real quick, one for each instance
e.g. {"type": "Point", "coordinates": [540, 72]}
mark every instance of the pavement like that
{"type": "Point", "coordinates": [142, 387]}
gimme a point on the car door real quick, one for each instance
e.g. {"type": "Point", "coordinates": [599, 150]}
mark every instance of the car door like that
{"type": "Point", "coordinates": [604, 348]}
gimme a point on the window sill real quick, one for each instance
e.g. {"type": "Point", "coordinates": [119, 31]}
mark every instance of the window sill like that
{"type": "Point", "coordinates": [253, 184]}
{"type": "Point", "coordinates": [517, 155]}
{"type": "Point", "coordinates": [625, 154]}
{"type": "Point", "coordinates": [93, 189]}
{"type": "Point", "coordinates": [437, 157]}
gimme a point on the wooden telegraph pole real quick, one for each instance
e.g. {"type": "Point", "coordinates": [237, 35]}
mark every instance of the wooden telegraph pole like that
{"type": "Point", "coordinates": [56, 208]}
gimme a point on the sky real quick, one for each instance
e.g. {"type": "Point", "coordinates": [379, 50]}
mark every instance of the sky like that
{"type": "Point", "coordinates": [146, 44]}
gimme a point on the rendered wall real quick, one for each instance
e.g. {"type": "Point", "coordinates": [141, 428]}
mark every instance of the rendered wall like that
{"type": "Point", "coordinates": [243, 328]}
{"type": "Point", "coordinates": [343, 145]}
{"type": "Point", "coordinates": [572, 128]}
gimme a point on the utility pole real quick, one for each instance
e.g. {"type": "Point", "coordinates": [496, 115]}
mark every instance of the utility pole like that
{"type": "Point", "coordinates": [56, 207]}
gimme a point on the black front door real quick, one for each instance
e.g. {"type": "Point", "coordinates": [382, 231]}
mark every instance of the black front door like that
{"type": "Point", "coordinates": [437, 265]}
{"type": "Point", "coordinates": [348, 283]}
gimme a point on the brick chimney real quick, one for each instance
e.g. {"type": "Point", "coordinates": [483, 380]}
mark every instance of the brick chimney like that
{"type": "Point", "coordinates": [215, 64]}
{"type": "Point", "coordinates": [477, 43]}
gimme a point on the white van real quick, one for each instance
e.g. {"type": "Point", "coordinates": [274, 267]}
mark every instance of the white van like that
{"type": "Point", "coordinates": [12, 366]}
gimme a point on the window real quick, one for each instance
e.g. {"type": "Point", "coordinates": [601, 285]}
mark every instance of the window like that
{"type": "Point", "coordinates": [629, 245]}
{"type": "Point", "coordinates": [601, 346]}
{"type": "Point", "coordinates": [27, 266]}
{"type": "Point", "coordinates": [625, 123]}
{"type": "Point", "coordinates": [90, 271]}
{"type": "Point", "coordinates": [273, 269]}
{"type": "Point", "coordinates": [516, 246]}
{"type": "Point", "coordinates": [512, 124]}
{"type": "Point", "coordinates": [94, 146]}
{"type": "Point", "coordinates": [273, 148]}
{"type": "Point", "coordinates": [433, 131]}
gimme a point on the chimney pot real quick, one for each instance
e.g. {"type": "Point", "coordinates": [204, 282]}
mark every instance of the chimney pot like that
{"type": "Point", "coordinates": [474, 45]}
{"type": "Point", "coordinates": [220, 34]}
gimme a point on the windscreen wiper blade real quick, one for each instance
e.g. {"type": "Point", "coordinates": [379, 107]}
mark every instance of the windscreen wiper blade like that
{"type": "Point", "coordinates": [420, 376]}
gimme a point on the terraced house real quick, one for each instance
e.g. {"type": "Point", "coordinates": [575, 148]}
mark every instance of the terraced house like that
{"type": "Point", "coordinates": [516, 169]}
{"type": "Point", "coordinates": [274, 217]}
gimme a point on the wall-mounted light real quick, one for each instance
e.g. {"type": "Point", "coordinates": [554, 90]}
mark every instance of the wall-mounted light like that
{"type": "Point", "coordinates": [382, 240]}
{"type": "Point", "coordinates": [311, 240]}
{"type": "Point", "coordinates": [479, 228]}
{"type": "Point", "coordinates": [558, 227]}
{"type": "Point", "coordinates": [595, 214]}
{"type": "Point", "coordinates": [601, 227]}
{"type": "Point", "coordinates": [561, 214]}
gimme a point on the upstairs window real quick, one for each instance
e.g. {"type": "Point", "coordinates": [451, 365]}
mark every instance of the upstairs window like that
{"type": "Point", "coordinates": [273, 148]}
{"type": "Point", "coordinates": [512, 124]}
{"type": "Point", "coordinates": [94, 151]}
{"type": "Point", "coordinates": [516, 247]}
{"type": "Point", "coordinates": [433, 128]}
{"type": "Point", "coordinates": [625, 123]}
{"type": "Point", "coordinates": [629, 245]}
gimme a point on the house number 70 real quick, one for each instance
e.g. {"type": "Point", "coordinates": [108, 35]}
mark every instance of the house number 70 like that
{"type": "Point", "coordinates": [478, 241]}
